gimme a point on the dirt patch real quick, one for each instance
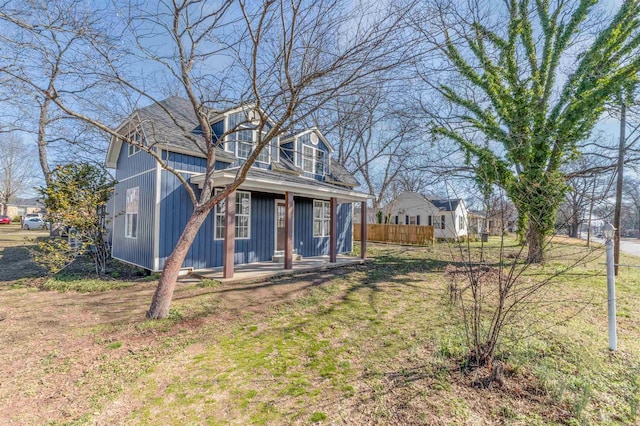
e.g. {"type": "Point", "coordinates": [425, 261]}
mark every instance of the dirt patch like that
{"type": "Point", "coordinates": [66, 353]}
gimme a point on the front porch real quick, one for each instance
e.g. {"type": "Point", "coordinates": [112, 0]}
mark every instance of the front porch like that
{"type": "Point", "coordinates": [265, 182]}
{"type": "Point", "coordinates": [263, 270]}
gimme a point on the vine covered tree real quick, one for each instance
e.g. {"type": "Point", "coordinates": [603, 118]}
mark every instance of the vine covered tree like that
{"type": "Point", "coordinates": [527, 81]}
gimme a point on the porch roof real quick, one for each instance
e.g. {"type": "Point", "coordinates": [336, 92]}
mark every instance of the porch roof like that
{"type": "Point", "coordinates": [279, 183]}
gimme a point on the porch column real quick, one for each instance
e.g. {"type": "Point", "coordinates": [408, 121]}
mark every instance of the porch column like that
{"type": "Point", "coordinates": [288, 230]}
{"type": "Point", "coordinates": [363, 229]}
{"type": "Point", "coordinates": [228, 248]}
{"type": "Point", "coordinates": [333, 240]}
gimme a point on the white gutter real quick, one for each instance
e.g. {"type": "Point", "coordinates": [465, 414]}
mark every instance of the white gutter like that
{"type": "Point", "coordinates": [275, 186]}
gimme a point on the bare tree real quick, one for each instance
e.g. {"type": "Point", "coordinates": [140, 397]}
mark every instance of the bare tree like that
{"type": "Point", "coordinates": [283, 60]}
{"type": "Point", "coordinates": [631, 195]}
{"type": "Point", "coordinates": [376, 138]}
{"type": "Point", "coordinates": [50, 43]}
{"type": "Point", "coordinates": [499, 296]}
{"type": "Point", "coordinates": [16, 168]}
{"type": "Point", "coordinates": [589, 181]}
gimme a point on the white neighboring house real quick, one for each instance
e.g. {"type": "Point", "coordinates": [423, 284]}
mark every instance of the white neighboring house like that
{"type": "Point", "coordinates": [447, 216]}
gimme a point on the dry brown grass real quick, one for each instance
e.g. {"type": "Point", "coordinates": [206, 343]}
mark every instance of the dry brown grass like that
{"type": "Point", "coordinates": [374, 344]}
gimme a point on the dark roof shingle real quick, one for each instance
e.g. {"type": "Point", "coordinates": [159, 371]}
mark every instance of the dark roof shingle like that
{"type": "Point", "coordinates": [169, 121]}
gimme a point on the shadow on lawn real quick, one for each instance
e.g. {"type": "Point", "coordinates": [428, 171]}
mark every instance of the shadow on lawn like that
{"type": "Point", "coordinates": [385, 271]}
{"type": "Point", "coordinates": [393, 268]}
{"type": "Point", "coordinates": [16, 263]}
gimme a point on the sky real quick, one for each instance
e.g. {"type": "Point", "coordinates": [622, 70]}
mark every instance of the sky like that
{"type": "Point", "coordinates": [153, 73]}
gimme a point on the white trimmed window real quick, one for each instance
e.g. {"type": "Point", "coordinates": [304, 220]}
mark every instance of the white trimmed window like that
{"type": "Point", "coordinates": [131, 213]}
{"type": "Point", "coordinates": [319, 162]}
{"type": "Point", "coordinates": [412, 220]}
{"type": "Point", "coordinates": [307, 158]}
{"type": "Point", "coordinates": [461, 223]}
{"type": "Point", "coordinates": [313, 160]}
{"type": "Point", "coordinates": [137, 138]}
{"type": "Point", "coordinates": [246, 142]}
{"type": "Point", "coordinates": [321, 218]}
{"type": "Point", "coordinates": [243, 216]}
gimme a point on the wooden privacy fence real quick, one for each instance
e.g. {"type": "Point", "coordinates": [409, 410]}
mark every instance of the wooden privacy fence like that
{"type": "Point", "coordinates": [401, 234]}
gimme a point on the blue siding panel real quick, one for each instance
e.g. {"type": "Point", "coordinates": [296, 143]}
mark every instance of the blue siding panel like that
{"type": "Point", "coordinates": [306, 244]}
{"type": "Point", "coordinates": [286, 151]}
{"type": "Point", "coordinates": [206, 252]}
{"type": "Point", "coordinates": [190, 163]}
{"type": "Point", "coordinates": [131, 166]}
{"type": "Point", "coordinates": [218, 128]}
{"type": "Point", "coordinates": [138, 251]}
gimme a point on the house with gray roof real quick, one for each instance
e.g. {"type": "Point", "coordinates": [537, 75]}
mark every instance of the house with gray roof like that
{"type": "Point", "coordinates": [449, 217]}
{"type": "Point", "coordinates": [150, 207]}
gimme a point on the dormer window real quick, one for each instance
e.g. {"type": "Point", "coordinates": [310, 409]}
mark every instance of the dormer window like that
{"type": "Point", "coordinates": [136, 137]}
{"type": "Point", "coordinates": [242, 125]}
{"type": "Point", "coordinates": [246, 141]}
{"type": "Point", "coordinates": [313, 160]}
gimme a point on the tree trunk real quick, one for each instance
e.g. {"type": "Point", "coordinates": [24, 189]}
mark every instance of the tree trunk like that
{"type": "Point", "coordinates": [164, 292]}
{"type": "Point", "coordinates": [574, 227]}
{"type": "Point", "coordinates": [535, 242]}
{"type": "Point", "coordinates": [42, 140]}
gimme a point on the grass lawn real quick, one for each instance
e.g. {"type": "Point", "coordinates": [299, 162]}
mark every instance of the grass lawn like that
{"type": "Point", "coordinates": [372, 344]}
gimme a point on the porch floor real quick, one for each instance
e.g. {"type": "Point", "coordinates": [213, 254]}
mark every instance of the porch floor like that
{"type": "Point", "coordinates": [263, 270]}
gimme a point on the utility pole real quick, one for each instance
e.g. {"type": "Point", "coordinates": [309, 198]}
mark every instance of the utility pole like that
{"type": "Point", "coordinates": [620, 172]}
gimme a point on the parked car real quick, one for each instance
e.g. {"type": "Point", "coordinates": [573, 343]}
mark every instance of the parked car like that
{"type": "Point", "coordinates": [5, 220]}
{"type": "Point", "coordinates": [30, 215]}
{"type": "Point", "coordinates": [34, 223]}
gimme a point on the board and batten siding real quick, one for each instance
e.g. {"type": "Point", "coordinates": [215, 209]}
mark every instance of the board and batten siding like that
{"type": "Point", "coordinates": [133, 171]}
{"type": "Point", "coordinates": [139, 250]}
{"type": "Point", "coordinates": [190, 163]}
{"type": "Point", "coordinates": [130, 166]}
{"type": "Point", "coordinates": [309, 246]}
{"type": "Point", "coordinates": [206, 251]}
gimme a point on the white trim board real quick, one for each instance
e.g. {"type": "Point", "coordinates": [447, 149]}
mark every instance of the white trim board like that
{"type": "Point", "coordinates": [156, 218]}
{"type": "Point", "coordinates": [136, 175]}
{"type": "Point", "coordinates": [226, 176]}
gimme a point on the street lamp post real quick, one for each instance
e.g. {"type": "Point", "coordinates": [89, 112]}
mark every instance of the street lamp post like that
{"type": "Point", "coordinates": [609, 231]}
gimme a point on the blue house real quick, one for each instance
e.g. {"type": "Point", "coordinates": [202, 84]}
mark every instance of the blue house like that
{"type": "Point", "coordinates": [296, 200]}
